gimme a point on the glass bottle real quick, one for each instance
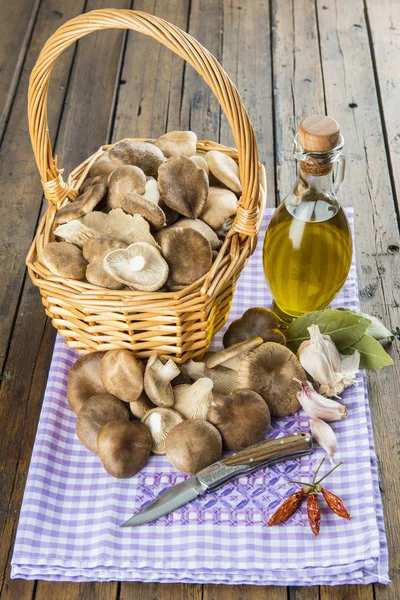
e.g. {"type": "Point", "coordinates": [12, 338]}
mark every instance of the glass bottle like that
{"type": "Point", "coordinates": [308, 245]}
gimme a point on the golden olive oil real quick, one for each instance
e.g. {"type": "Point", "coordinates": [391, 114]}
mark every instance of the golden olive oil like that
{"type": "Point", "coordinates": [307, 257]}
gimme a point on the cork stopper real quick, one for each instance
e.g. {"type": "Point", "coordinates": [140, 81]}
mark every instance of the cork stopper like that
{"type": "Point", "coordinates": [319, 133]}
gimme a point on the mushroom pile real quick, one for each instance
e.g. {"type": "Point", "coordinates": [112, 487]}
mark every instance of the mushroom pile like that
{"type": "Point", "coordinates": [127, 408]}
{"type": "Point", "coordinates": [150, 216]}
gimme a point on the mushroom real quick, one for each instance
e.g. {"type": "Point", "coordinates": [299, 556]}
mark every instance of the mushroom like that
{"type": "Point", "coordinates": [152, 192]}
{"type": "Point", "coordinates": [192, 401]}
{"type": "Point", "coordinates": [220, 205]}
{"type": "Point", "coordinates": [118, 225]}
{"type": "Point", "coordinates": [96, 412]}
{"type": "Point", "coordinates": [256, 321]}
{"type": "Point", "coordinates": [224, 380]}
{"type": "Point", "coordinates": [65, 260]}
{"type": "Point", "coordinates": [242, 418]}
{"type": "Point", "coordinates": [141, 406]}
{"type": "Point", "coordinates": [84, 380]}
{"type": "Point", "coordinates": [75, 232]}
{"type": "Point", "coordinates": [136, 204]}
{"type": "Point", "coordinates": [122, 374]}
{"type": "Point", "coordinates": [225, 169]}
{"type": "Point", "coordinates": [139, 266]}
{"type": "Point", "coordinates": [202, 227]}
{"type": "Point", "coordinates": [102, 167]}
{"type": "Point", "coordinates": [232, 356]}
{"type": "Point", "coordinates": [144, 155]}
{"type": "Point", "coordinates": [84, 204]}
{"type": "Point", "coordinates": [271, 370]}
{"type": "Point", "coordinates": [123, 181]}
{"type": "Point", "coordinates": [157, 380]}
{"type": "Point", "coordinates": [201, 162]}
{"type": "Point", "coordinates": [183, 186]}
{"type": "Point", "coordinates": [124, 447]}
{"type": "Point", "coordinates": [160, 421]}
{"type": "Point", "coordinates": [177, 143]}
{"type": "Point", "coordinates": [94, 251]}
{"type": "Point", "coordinates": [187, 252]}
{"type": "Point", "coordinates": [193, 445]}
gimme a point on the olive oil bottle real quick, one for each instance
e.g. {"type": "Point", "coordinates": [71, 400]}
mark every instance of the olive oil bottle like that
{"type": "Point", "coordinates": [308, 245]}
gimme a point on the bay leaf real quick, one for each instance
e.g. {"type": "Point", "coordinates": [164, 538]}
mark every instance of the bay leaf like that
{"type": "Point", "coordinates": [344, 327]}
{"type": "Point", "coordinates": [376, 329]}
{"type": "Point", "coordinates": [372, 354]}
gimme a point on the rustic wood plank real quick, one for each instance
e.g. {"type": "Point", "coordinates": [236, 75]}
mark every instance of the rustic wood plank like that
{"type": "Point", "coordinates": [160, 591]}
{"type": "Point", "coordinates": [17, 19]}
{"type": "Point", "coordinates": [246, 57]}
{"type": "Point", "coordinates": [21, 187]}
{"type": "Point", "coordinates": [351, 98]}
{"type": "Point", "coordinates": [244, 592]}
{"type": "Point", "coordinates": [383, 20]}
{"type": "Point", "coordinates": [15, 453]}
{"type": "Point", "coordinates": [48, 590]}
{"type": "Point", "coordinates": [347, 592]}
{"type": "Point", "coordinates": [304, 593]}
{"type": "Point", "coordinates": [297, 80]}
{"type": "Point", "coordinates": [150, 90]}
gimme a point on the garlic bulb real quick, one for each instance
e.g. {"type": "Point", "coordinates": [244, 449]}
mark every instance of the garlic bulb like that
{"type": "Point", "coordinates": [316, 405]}
{"type": "Point", "coordinates": [320, 358]}
{"type": "Point", "coordinates": [324, 436]}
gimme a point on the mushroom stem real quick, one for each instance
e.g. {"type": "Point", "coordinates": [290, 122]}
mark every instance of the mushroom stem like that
{"type": "Point", "coordinates": [136, 263]}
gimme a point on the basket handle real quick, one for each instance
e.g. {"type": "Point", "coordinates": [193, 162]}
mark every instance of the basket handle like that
{"type": "Point", "coordinates": [55, 188]}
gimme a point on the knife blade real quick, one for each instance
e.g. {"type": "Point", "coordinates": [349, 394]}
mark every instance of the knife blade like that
{"type": "Point", "coordinates": [246, 461]}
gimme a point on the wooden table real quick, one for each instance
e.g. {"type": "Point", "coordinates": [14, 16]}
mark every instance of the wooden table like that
{"type": "Point", "coordinates": [289, 59]}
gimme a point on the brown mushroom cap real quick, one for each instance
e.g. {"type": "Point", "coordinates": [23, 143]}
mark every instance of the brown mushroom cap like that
{"type": "Point", "coordinates": [187, 252]}
{"type": "Point", "coordinates": [95, 249]}
{"type": "Point", "coordinates": [84, 204]}
{"type": "Point", "coordinates": [270, 370]}
{"type": "Point", "coordinates": [177, 143]}
{"type": "Point", "coordinates": [144, 155]}
{"type": "Point", "coordinates": [97, 275]}
{"type": "Point", "coordinates": [225, 169]}
{"type": "Point", "coordinates": [157, 379]}
{"type": "Point", "coordinates": [255, 322]}
{"type": "Point", "coordinates": [95, 413]}
{"type": "Point", "coordinates": [193, 445]}
{"type": "Point", "coordinates": [65, 260]}
{"type": "Point", "coordinates": [202, 227]}
{"type": "Point", "coordinates": [242, 418]}
{"type": "Point", "coordinates": [84, 380]}
{"type": "Point", "coordinates": [124, 447]}
{"type": "Point", "coordinates": [220, 205]}
{"type": "Point", "coordinates": [136, 204]}
{"type": "Point", "coordinates": [122, 375]}
{"type": "Point", "coordinates": [123, 181]}
{"type": "Point", "coordinates": [232, 356]}
{"type": "Point", "coordinates": [161, 421]}
{"type": "Point", "coordinates": [224, 380]}
{"type": "Point", "coordinates": [102, 167]}
{"type": "Point", "coordinates": [141, 406]}
{"type": "Point", "coordinates": [183, 186]}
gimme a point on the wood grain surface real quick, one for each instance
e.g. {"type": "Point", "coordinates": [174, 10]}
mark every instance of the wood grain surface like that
{"type": "Point", "coordinates": [289, 59]}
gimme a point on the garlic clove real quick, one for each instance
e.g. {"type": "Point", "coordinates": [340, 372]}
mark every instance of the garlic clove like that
{"type": "Point", "coordinates": [316, 405]}
{"type": "Point", "coordinates": [319, 357]}
{"type": "Point", "coordinates": [324, 436]}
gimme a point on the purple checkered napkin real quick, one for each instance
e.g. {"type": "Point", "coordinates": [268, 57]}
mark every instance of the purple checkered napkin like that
{"type": "Point", "coordinates": [72, 509]}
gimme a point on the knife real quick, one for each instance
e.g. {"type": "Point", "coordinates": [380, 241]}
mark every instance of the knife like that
{"type": "Point", "coordinates": [246, 461]}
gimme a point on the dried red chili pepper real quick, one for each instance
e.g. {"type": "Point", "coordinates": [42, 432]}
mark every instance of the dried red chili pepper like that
{"type": "Point", "coordinates": [335, 504]}
{"type": "Point", "coordinates": [314, 514]}
{"type": "Point", "coordinates": [287, 509]}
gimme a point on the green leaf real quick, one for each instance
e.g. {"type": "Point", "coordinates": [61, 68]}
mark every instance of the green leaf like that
{"type": "Point", "coordinates": [344, 327]}
{"type": "Point", "coordinates": [372, 355]}
{"type": "Point", "coordinates": [376, 329]}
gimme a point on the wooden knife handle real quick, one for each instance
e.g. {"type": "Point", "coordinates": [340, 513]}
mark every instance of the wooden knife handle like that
{"type": "Point", "coordinates": [279, 449]}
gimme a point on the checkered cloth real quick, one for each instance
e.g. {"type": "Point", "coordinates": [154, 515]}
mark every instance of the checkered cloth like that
{"type": "Point", "coordinates": [72, 509]}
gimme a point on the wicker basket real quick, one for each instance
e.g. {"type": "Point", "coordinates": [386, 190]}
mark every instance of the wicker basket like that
{"type": "Point", "coordinates": [178, 325]}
